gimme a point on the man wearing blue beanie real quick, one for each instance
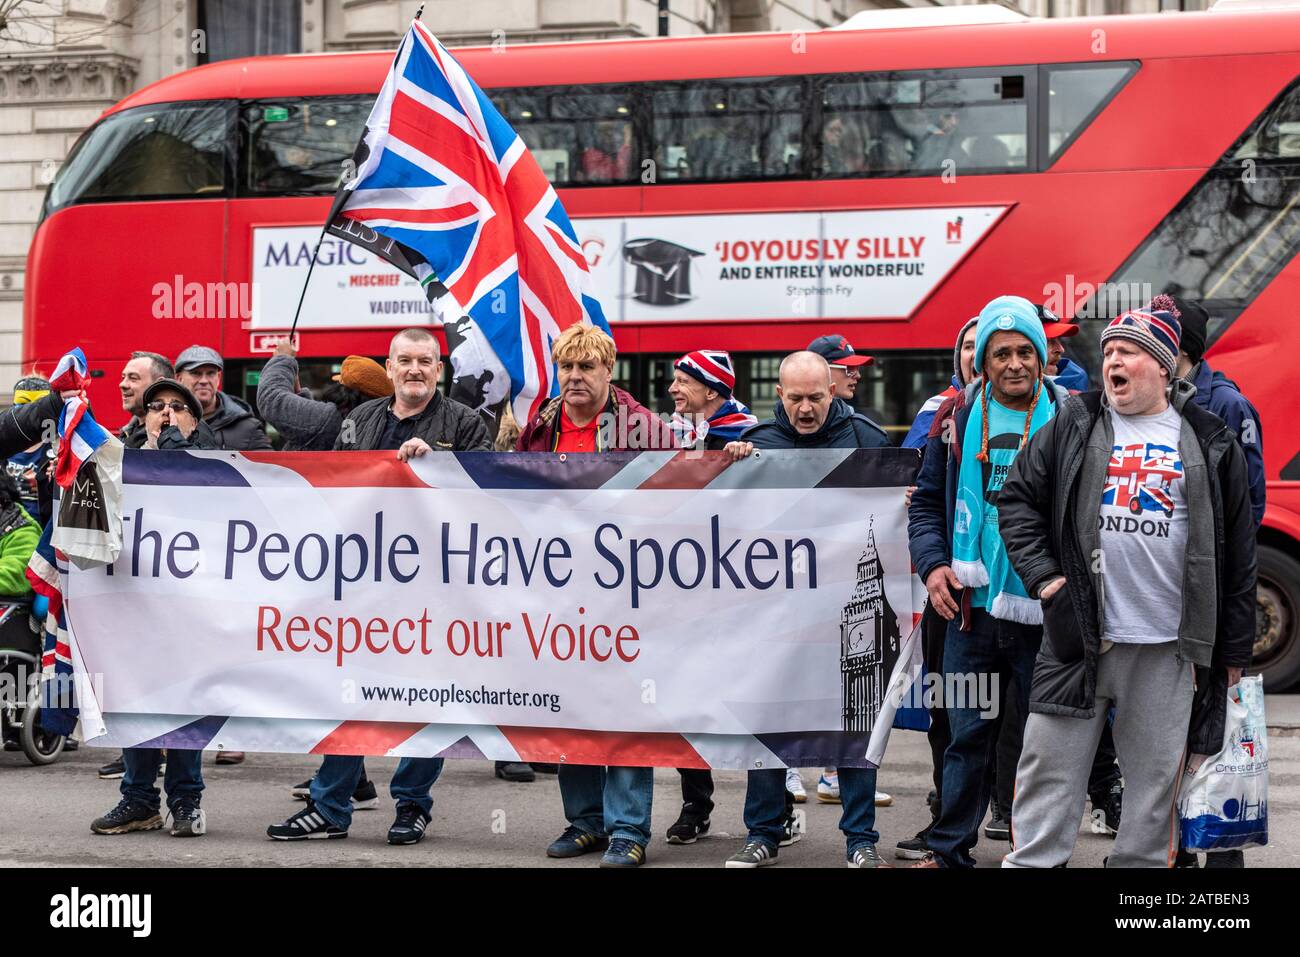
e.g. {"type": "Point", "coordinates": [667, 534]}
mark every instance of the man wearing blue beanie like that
{"type": "Point", "coordinates": [994, 625]}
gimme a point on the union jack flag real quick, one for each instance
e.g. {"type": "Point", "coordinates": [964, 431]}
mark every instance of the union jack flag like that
{"type": "Point", "coordinates": [1138, 477]}
{"type": "Point", "coordinates": [44, 573]}
{"type": "Point", "coordinates": [446, 191]}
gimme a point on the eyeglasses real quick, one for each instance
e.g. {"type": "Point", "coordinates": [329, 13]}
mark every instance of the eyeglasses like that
{"type": "Point", "coordinates": [176, 405]}
{"type": "Point", "coordinates": [853, 372]}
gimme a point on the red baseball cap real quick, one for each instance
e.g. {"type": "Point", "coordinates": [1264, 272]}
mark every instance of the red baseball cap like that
{"type": "Point", "coordinates": [1053, 326]}
{"type": "Point", "coordinates": [837, 351]}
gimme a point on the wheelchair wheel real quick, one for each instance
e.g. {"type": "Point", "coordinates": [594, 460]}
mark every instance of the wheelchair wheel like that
{"type": "Point", "coordinates": [39, 745]}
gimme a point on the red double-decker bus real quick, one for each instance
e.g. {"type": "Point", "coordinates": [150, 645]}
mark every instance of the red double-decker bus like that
{"type": "Point", "coordinates": [748, 193]}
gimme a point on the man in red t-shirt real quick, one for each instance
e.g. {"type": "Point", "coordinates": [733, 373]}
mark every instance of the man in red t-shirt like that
{"type": "Point", "coordinates": [608, 808]}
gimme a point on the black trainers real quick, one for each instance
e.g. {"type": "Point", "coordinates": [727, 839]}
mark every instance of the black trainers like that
{"type": "Point", "coordinates": [113, 770]}
{"type": "Point", "coordinates": [409, 825]}
{"type": "Point", "coordinates": [753, 854]}
{"type": "Point", "coordinates": [307, 825]}
{"type": "Point", "coordinates": [365, 796]}
{"type": "Point", "coordinates": [1106, 810]}
{"type": "Point", "coordinates": [515, 771]}
{"type": "Point", "coordinates": [188, 819]}
{"type": "Point", "coordinates": [914, 848]}
{"type": "Point", "coordinates": [688, 828]}
{"type": "Point", "coordinates": [126, 817]}
{"type": "Point", "coordinates": [575, 842]}
{"type": "Point", "coordinates": [302, 791]}
{"type": "Point", "coordinates": [998, 828]}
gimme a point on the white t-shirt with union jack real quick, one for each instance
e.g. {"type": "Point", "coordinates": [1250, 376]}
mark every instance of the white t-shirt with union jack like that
{"type": "Point", "coordinates": [1143, 526]}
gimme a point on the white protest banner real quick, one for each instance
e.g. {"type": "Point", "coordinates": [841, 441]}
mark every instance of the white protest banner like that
{"type": "Point", "coordinates": [667, 608]}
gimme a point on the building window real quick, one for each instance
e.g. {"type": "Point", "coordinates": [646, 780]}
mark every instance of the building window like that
{"type": "Point", "coordinates": [239, 28]}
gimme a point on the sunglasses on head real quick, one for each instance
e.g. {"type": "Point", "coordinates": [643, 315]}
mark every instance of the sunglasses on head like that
{"type": "Point", "coordinates": [176, 405]}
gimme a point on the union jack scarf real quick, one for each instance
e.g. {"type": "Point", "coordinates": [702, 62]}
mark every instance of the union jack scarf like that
{"type": "Point", "coordinates": [80, 436]}
{"type": "Point", "coordinates": [728, 423]}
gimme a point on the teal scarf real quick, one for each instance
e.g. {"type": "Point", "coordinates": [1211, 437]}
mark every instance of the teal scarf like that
{"type": "Point", "coordinates": [979, 557]}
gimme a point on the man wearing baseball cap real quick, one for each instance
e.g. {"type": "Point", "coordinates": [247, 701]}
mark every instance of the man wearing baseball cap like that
{"type": "Point", "coordinates": [1163, 626]}
{"type": "Point", "coordinates": [231, 420]}
{"type": "Point", "coordinates": [846, 365]}
{"type": "Point", "coordinates": [1068, 375]}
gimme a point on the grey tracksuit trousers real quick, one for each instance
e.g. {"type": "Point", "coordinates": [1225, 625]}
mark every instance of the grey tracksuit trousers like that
{"type": "Point", "coordinates": [1151, 690]}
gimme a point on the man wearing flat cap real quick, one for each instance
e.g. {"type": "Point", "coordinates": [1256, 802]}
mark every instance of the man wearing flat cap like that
{"type": "Point", "coordinates": [231, 420]}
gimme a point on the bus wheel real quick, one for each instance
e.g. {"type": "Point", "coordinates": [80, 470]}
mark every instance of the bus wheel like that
{"type": "Point", "coordinates": [1277, 621]}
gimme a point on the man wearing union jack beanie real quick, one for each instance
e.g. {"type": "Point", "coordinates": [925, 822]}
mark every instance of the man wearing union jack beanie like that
{"type": "Point", "coordinates": [1128, 516]}
{"type": "Point", "coordinates": [704, 409]}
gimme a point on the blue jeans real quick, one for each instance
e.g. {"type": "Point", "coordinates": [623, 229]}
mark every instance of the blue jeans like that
{"type": "Point", "coordinates": [992, 647]}
{"type": "Point", "coordinates": [613, 801]}
{"type": "Point", "coordinates": [339, 775]}
{"type": "Point", "coordinates": [766, 806]}
{"type": "Point", "coordinates": [184, 775]}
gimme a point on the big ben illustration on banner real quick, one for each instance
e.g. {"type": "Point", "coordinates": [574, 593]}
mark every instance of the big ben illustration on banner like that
{"type": "Point", "coordinates": [869, 642]}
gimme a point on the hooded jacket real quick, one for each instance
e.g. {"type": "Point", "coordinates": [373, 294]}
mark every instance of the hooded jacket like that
{"type": "Point", "coordinates": [844, 428]}
{"type": "Point", "coordinates": [1216, 393]}
{"type": "Point", "coordinates": [307, 424]}
{"type": "Point", "coordinates": [235, 426]}
{"type": "Point", "coordinates": [920, 430]}
{"type": "Point", "coordinates": [19, 536]}
{"type": "Point", "coordinates": [635, 427]}
{"type": "Point", "coordinates": [1049, 506]}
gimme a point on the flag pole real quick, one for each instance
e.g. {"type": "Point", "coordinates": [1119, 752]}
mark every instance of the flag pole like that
{"type": "Point", "coordinates": [303, 295]}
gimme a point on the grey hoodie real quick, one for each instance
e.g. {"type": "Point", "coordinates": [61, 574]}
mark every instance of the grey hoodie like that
{"type": "Point", "coordinates": [235, 426]}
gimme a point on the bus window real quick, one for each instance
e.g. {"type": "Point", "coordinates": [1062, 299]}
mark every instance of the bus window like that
{"type": "Point", "coordinates": [729, 130]}
{"type": "Point", "coordinates": [892, 124]}
{"type": "Point", "coordinates": [577, 136]}
{"type": "Point", "coordinates": [1274, 136]}
{"type": "Point", "coordinates": [168, 151]}
{"type": "Point", "coordinates": [1235, 230]}
{"type": "Point", "coordinates": [298, 146]}
{"type": "Point", "coordinates": [1076, 94]}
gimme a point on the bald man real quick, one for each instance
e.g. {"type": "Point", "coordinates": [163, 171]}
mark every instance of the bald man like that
{"type": "Point", "coordinates": [808, 417]}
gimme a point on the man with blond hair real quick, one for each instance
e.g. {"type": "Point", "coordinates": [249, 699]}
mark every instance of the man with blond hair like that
{"type": "Point", "coordinates": [591, 414]}
{"type": "Point", "coordinates": [608, 808]}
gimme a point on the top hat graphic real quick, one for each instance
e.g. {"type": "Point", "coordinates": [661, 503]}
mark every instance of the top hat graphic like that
{"type": "Point", "coordinates": [663, 270]}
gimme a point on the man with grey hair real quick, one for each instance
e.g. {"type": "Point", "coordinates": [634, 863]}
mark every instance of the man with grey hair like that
{"type": "Point", "coordinates": [412, 422]}
{"type": "Point", "coordinates": [142, 370]}
{"type": "Point", "coordinates": [416, 419]}
{"type": "Point", "coordinates": [231, 420]}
